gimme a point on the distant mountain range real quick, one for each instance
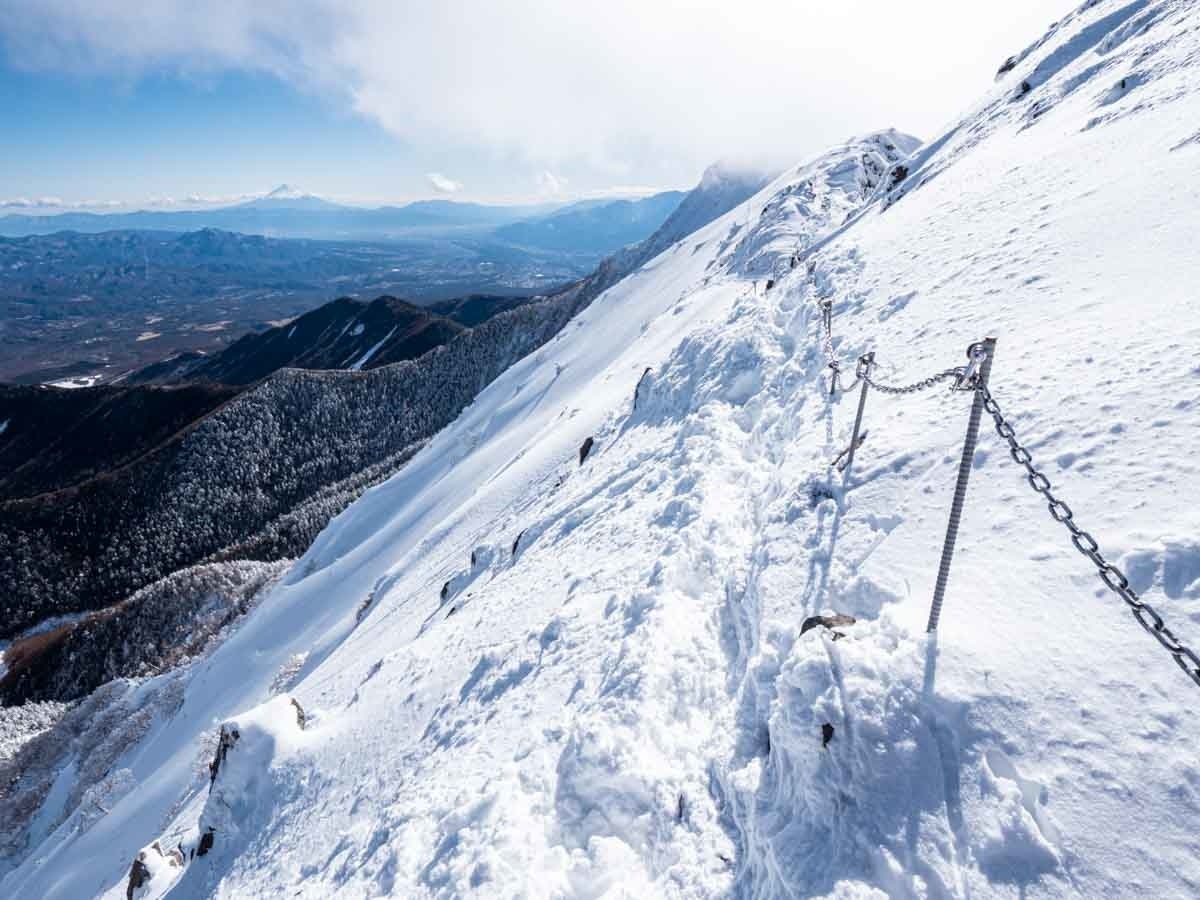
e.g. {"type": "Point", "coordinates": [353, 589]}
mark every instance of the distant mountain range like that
{"type": "Point", "coordinates": [289, 212]}
{"type": "Point", "coordinates": [83, 306]}
{"type": "Point", "coordinates": [345, 334]}
{"type": "Point", "coordinates": [593, 226]}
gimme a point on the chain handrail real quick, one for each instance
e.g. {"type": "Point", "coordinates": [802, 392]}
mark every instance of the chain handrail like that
{"type": "Point", "coordinates": [1147, 616]}
{"type": "Point", "coordinates": [864, 373]}
{"type": "Point", "coordinates": [923, 384]}
{"type": "Point", "coordinates": [966, 378]}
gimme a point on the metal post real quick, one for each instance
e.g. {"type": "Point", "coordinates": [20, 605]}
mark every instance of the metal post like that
{"type": "Point", "coordinates": [827, 321]}
{"type": "Point", "coordinates": [864, 368]}
{"type": "Point", "coordinates": [980, 356]}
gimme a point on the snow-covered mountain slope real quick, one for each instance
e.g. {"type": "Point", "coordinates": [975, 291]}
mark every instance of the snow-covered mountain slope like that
{"type": "Point", "coordinates": [527, 675]}
{"type": "Point", "coordinates": [722, 187]}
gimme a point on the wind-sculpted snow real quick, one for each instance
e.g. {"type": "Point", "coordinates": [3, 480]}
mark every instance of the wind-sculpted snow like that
{"type": "Point", "coordinates": [525, 675]}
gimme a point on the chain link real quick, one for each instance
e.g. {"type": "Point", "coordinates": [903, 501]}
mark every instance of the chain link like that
{"type": "Point", "coordinates": [827, 324]}
{"type": "Point", "coordinates": [1147, 616]}
{"type": "Point", "coordinates": [964, 377]}
{"type": "Point", "coordinates": [864, 374]}
{"type": "Point", "coordinates": [924, 384]}
{"type": "Point", "coordinates": [835, 367]}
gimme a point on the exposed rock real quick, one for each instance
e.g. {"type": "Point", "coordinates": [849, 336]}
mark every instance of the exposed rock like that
{"type": "Point", "coordinates": [149, 860]}
{"type": "Point", "coordinates": [830, 622]}
{"type": "Point", "coordinates": [206, 842]}
{"type": "Point", "coordinates": [139, 874]}
{"type": "Point", "coordinates": [637, 391]}
{"type": "Point", "coordinates": [818, 493]}
{"type": "Point", "coordinates": [301, 718]}
{"type": "Point", "coordinates": [229, 737]}
{"type": "Point", "coordinates": [826, 734]}
{"type": "Point", "coordinates": [364, 607]}
{"type": "Point", "coordinates": [585, 449]}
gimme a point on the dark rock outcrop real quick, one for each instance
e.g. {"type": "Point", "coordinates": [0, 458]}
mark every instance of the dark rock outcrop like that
{"type": "Point", "coordinates": [225, 742]}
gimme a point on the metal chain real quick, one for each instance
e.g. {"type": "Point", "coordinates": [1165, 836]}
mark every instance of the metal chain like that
{"type": "Point", "coordinates": [827, 324]}
{"type": "Point", "coordinates": [922, 385]}
{"type": "Point", "coordinates": [965, 378]}
{"type": "Point", "coordinates": [1145, 614]}
{"type": "Point", "coordinates": [835, 367]}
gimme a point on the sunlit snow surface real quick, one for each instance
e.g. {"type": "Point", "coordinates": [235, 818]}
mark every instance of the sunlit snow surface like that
{"type": "Point", "coordinates": [626, 708]}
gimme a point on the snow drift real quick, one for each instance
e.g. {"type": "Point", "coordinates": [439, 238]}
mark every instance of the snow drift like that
{"type": "Point", "coordinates": [532, 676]}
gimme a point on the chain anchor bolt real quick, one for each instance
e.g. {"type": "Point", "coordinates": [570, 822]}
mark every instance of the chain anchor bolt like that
{"type": "Point", "coordinates": [977, 354]}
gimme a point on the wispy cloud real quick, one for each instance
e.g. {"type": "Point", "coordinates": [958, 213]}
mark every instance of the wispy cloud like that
{"type": "Point", "coordinates": [57, 204]}
{"type": "Point", "coordinates": [32, 203]}
{"type": "Point", "coordinates": [620, 190]}
{"type": "Point", "coordinates": [154, 201]}
{"type": "Point", "coordinates": [442, 184]}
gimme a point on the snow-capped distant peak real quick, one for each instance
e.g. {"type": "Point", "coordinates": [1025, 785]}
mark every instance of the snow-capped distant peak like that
{"type": "Point", "coordinates": [288, 192]}
{"type": "Point", "coordinates": [291, 197]}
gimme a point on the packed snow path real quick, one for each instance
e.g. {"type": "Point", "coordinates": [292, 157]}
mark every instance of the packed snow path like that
{"type": "Point", "coordinates": [524, 676]}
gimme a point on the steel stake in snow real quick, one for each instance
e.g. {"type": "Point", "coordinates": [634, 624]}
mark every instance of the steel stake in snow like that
{"type": "Point", "coordinates": [864, 367]}
{"type": "Point", "coordinates": [974, 376]}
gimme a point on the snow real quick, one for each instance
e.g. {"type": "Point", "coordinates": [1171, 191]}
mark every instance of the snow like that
{"type": "Point", "coordinates": [20, 724]}
{"type": "Point", "coordinates": [4, 425]}
{"type": "Point", "coordinates": [625, 706]}
{"type": "Point", "coordinates": [287, 192]}
{"type": "Point", "coordinates": [78, 381]}
{"type": "Point", "coordinates": [358, 329]}
{"type": "Point", "coordinates": [366, 357]}
{"type": "Point", "coordinates": [292, 331]}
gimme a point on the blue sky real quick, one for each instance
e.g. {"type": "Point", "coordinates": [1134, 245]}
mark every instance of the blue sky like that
{"type": "Point", "coordinates": [161, 135]}
{"type": "Point", "coordinates": [393, 100]}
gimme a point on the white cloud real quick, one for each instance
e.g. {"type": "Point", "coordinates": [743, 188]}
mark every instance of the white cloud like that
{"type": "Point", "coordinates": [35, 203]}
{"type": "Point", "coordinates": [216, 199]}
{"type": "Point", "coordinates": [621, 190]}
{"type": "Point", "coordinates": [551, 185]}
{"type": "Point", "coordinates": [442, 184]}
{"type": "Point", "coordinates": [58, 204]}
{"type": "Point", "coordinates": [619, 89]}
